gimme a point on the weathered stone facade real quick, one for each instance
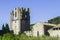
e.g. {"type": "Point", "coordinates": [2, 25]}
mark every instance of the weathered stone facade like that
{"type": "Point", "coordinates": [55, 31]}
{"type": "Point", "coordinates": [20, 20]}
{"type": "Point", "coordinates": [42, 28]}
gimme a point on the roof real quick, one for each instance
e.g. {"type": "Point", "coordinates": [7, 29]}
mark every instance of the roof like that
{"type": "Point", "coordinates": [46, 23]}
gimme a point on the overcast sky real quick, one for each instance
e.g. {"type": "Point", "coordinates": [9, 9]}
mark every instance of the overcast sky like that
{"type": "Point", "coordinates": [40, 10]}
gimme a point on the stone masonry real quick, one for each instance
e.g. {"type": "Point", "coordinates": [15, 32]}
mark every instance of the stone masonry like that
{"type": "Point", "coordinates": [19, 20]}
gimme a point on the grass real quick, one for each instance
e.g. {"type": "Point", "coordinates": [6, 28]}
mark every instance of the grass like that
{"type": "Point", "coordinates": [25, 37]}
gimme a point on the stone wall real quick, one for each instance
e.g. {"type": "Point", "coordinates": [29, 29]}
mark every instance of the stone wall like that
{"type": "Point", "coordinates": [20, 20]}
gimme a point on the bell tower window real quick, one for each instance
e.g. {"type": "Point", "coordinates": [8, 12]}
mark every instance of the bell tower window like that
{"type": "Point", "coordinates": [15, 14]}
{"type": "Point", "coordinates": [25, 16]}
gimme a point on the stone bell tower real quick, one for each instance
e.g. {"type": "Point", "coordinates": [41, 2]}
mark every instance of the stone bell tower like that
{"type": "Point", "coordinates": [20, 20]}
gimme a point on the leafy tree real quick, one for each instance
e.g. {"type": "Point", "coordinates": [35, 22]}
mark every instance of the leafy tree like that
{"type": "Point", "coordinates": [55, 20]}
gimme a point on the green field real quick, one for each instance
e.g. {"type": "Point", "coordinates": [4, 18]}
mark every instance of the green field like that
{"type": "Point", "coordinates": [25, 37]}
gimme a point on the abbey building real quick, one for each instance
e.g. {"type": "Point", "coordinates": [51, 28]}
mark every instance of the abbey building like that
{"type": "Point", "coordinates": [20, 22]}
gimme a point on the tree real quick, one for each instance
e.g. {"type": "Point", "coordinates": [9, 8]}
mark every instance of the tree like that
{"type": "Point", "coordinates": [7, 28]}
{"type": "Point", "coordinates": [31, 26]}
{"type": "Point", "coordinates": [3, 28]}
{"type": "Point", "coordinates": [55, 20]}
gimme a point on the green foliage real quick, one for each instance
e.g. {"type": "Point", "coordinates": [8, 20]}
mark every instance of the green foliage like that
{"type": "Point", "coordinates": [5, 28]}
{"type": "Point", "coordinates": [25, 37]}
{"type": "Point", "coordinates": [31, 26]}
{"type": "Point", "coordinates": [55, 20]}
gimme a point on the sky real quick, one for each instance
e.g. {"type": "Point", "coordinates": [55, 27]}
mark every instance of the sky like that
{"type": "Point", "coordinates": [40, 10]}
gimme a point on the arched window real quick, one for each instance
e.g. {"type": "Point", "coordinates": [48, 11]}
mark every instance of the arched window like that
{"type": "Point", "coordinates": [15, 14]}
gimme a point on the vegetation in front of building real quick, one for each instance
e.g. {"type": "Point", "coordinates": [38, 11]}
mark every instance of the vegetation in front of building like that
{"type": "Point", "coordinates": [23, 36]}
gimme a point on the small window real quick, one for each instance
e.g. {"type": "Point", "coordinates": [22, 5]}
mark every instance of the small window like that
{"type": "Point", "coordinates": [15, 21]}
{"type": "Point", "coordinates": [15, 14]}
{"type": "Point", "coordinates": [56, 28]}
{"type": "Point", "coordinates": [15, 8]}
{"type": "Point", "coordinates": [59, 28]}
{"type": "Point", "coordinates": [25, 16]}
{"type": "Point", "coordinates": [53, 28]}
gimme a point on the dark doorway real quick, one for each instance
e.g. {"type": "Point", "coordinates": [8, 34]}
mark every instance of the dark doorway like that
{"type": "Point", "coordinates": [37, 33]}
{"type": "Point", "coordinates": [46, 28]}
